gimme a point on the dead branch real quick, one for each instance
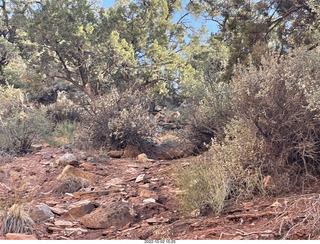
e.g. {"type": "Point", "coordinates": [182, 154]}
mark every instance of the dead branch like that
{"type": "Point", "coordinates": [250, 215]}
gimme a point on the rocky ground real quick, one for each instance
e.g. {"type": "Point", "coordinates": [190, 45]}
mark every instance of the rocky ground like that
{"type": "Point", "coordinates": [129, 198]}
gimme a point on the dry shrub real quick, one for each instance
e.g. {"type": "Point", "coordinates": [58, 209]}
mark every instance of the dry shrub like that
{"type": "Point", "coordinates": [229, 171]}
{"type": "Point", "coordinates": [70, 185]}
{"type": "Point", "coordinates": [279, 103]}
{"type": "Point", "coordinates": [120, 119]}
{"type": "Point", "coordinates": [16, 220]}
{"type": "Point", "coordinates": [207, 118]}
{"type": "Point", "coordinates": [5, 157]}
{"type": "Point", "coordinates": [64, 109]}
{"type": "Point", "coordinates": [20, 122]}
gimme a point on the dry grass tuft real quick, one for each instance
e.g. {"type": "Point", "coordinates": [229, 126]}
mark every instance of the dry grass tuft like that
{"type": "Point", "coordinates": [16, 220]}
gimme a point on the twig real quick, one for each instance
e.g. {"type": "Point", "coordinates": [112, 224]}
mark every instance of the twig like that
{"type": "Point", "coordinates": [285, 237]}
{"type": "Point", "coordinates": [255, 232]}
{"type": "Point", "coordinates": [249, 215]}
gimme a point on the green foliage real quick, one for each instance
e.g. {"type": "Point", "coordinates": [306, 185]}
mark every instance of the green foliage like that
{"type": "Point", "coordinates": [120, 119]}
{"type": "Point", "coordinates": [131, 45]}
{"type": "Point", "coordinates": [64, 133]}
{"type": "Point", "coordinates": [20, 123]}
{"type": "Point", "coordinates": [251, 27]}
{"type": "Point", "coordinates": [12, 25]}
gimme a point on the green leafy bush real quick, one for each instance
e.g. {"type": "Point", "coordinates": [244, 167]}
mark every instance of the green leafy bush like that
{"type": "Point", "coordinates": [120, 119]}
{"type": "Point", "coordinates": [20, 123]}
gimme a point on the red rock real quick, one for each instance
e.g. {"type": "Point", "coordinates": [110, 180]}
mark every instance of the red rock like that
{"type": "Point", "coordinates": [63, 223]}
{"type": "Point", "coordinates": [157, 220]}
{"type": "Point", "coordinates": [52, 202]}
{"type": "Point", "coordinates": [145, 186]}
{"type": "Point", "coordinates": [87, 166]}
{"type": "Point", "coordinates": [116, 214]}
{"type": "Point", "coordinates": [79, 209]}
{"type": "Point", "coordinates": [134, 200]}
{"type": "Point", "coordinates": [40, 212]}
{"type": "Point", "coordinates": [115, 154]}
{"type": "Point", "coordinates": [68, 159]}
{"type": "Point", "coordinates": [131, 152]}
{"type": "Point", "coordinates": [72, 171]}
{"type": "Point", "coordinates": [58, 210]}
{"type": "Point", "coordinates": [111, 230]}
{"type": "Point", "coordinates": [20, 236]}
{"type": "Point", "coordinates": [148, 194]}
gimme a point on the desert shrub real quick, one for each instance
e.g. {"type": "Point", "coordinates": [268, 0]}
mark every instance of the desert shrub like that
{"type": "Point", "coordinates": [120, 119]}
{"type": "Point", "coordinates": [70, 185]}
{"type": "Point", "coordinates": [207, 118]}
{"type": "Point", "coordinates": [20, 122]}
{"type": "Point", "coordinates": [64, 109]}
{"type": "Point", "coordinates": [5, 157]}
{"type": "Point", "coordinates": [64, 133]}
{"type": "Point", "coordinates": [279, 102]}
{"type": "Point", "coordinates": [16, 220]}
{"type": "Point", "coordinates": [230, 170]}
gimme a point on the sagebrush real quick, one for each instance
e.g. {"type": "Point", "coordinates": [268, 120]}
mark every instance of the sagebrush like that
{"type": "Point", "coordinates": [120, 119]}
{"type": "Point", "coordinates": [279, 102]}
{"type": "Point", "coordinates": [229, 171]}
{"type": "Point", "coordinates": [21, 123]}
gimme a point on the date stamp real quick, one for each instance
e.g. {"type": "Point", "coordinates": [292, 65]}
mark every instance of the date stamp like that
{"type": "Point", "coordinates": [160, 241]}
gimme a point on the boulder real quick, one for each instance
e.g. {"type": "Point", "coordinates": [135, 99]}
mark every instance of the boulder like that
{"type": "Point", "coordinates": [40, 212]}
{"type": "Point", "coordinates": [75, 172]}
{"type": "Point", "coordinates": [131, 151]}
{"type": "Point", "coordinates": [79, 209]}
{"type": "Point", "coordinates": [116, 214]}
{"type": "Point", "coordinates": [115, 154]}
{"type": "Point", "coordinates": [143, 158]}
{"type": "Point", "coordinates": [67, 159]}
{"type": "Point", "coordinates": [170, 154]}
{"type": "Point", "coordinates": [20, 236]}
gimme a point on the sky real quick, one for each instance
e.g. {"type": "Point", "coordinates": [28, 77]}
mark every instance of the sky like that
{"type": "Point", "coordinates": [212, 26]}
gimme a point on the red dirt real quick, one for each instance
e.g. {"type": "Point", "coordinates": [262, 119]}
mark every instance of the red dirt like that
{"type": "Point", "coordinates": [31, 178]}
